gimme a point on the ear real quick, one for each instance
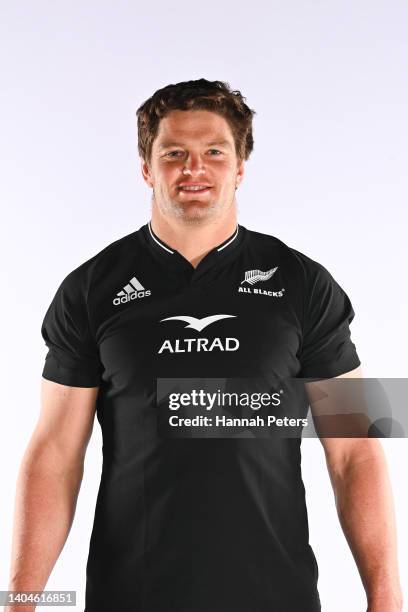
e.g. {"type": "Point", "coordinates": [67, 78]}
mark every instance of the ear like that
{"type": "Point", "coordinates": [240, 172]}
{"type": "Point", "coordinates": [146, 172]}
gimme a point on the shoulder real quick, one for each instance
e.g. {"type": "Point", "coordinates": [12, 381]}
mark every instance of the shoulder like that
{"type": "Point", "coordinates": [291, 260]}
{"type": "Point", "coordinates": [80, 278]}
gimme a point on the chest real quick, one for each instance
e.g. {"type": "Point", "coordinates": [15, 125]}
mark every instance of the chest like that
{"type": "Point", "coordinates": [220, 328]}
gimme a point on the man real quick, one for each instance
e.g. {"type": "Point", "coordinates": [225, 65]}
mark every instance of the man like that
{"type": "Point", "coordinates": [188, 521]}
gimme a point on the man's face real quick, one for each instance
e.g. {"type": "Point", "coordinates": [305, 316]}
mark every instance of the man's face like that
{"type": "Point", "coordinates": [193, 147]}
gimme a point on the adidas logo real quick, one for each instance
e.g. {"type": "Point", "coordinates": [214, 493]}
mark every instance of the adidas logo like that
{"type": "Point", "coordinates": [131, 291]}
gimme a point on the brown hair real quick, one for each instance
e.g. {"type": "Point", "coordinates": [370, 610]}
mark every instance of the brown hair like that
{"type": "Point", "coordinates": [215, 96]}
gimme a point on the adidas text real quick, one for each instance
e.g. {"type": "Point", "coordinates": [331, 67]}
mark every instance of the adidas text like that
{"type": "Point", "coordinates": [131, 296]}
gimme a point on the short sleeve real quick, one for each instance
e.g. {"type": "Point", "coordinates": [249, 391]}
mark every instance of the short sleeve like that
{"type": "Point", "coordinates": [73, 356]}
{"type": "Point", "coordinates": [327, 349]}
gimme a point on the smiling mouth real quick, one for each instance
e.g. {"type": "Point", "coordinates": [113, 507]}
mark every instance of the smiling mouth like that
{"type": "Point", "coordinates": [195, 190]}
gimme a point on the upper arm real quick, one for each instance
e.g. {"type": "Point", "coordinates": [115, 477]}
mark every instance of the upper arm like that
{"type": "Point", "coordinates": [327, 353]}
{"type": "Point", "coordinates": [64, 425]}
{"type": "Point", "coordinates": [339, 451]}
{"type": "Point", "coordinates": [71, 374]}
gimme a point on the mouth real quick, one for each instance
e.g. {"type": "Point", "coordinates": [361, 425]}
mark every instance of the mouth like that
{"type": "Point", "coordinates": [194, 189]}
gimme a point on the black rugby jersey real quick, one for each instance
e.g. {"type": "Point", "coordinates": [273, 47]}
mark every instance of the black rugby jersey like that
{"type": "Point", "coordinates": [203, 519]}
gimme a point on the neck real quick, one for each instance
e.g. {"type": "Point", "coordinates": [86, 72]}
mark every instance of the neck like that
{"type": "Point", "coordinates": [193, 240]}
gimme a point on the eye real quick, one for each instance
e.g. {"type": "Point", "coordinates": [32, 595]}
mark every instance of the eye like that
{"type": "Point", "coordinates": [174, 153]}
{"type": "Point", "coordinates": [170, 154]}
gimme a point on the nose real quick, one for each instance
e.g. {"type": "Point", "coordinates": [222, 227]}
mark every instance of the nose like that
{"type": "Point", "coordinates": [194, 165]}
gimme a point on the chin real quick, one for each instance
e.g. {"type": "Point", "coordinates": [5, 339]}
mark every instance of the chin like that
{"type": "Point", "coordinates": [197, 213]}
{"type": "Point", "coordinates": [193, 210]}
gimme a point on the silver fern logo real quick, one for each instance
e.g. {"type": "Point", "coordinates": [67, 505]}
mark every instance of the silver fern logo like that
{"type": "Point", "coordinates": [254, 276]}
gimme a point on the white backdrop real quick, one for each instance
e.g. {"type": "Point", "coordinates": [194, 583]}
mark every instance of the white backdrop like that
{"type": "Point", "coordinates": [328, 176]}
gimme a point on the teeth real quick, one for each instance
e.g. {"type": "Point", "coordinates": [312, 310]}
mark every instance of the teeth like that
{"type": "Point", "coordinates": [197, 188]}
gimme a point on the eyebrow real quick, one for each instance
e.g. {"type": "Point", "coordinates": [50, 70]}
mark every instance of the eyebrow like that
{"type": "Point", "coordinates": [224, 143]}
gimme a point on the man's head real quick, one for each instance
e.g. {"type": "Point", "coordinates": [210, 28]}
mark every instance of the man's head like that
{"type": "Point", "coordinates": [194, 132]}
